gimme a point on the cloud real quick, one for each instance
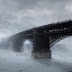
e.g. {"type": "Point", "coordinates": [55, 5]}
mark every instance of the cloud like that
{"type": "Point", "coordinates": [19, 15]}
{"type": "Point", "coordinates": [69, 7]}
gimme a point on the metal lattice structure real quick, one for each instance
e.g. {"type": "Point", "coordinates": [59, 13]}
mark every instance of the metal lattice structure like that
{"type": "Point", "coordinates": [43, 37]}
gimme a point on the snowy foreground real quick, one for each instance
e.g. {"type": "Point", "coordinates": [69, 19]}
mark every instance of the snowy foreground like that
{"type": "Point", "coordinates": [23, 62]}
{"type": "Point", "coordinates": [13, 62]}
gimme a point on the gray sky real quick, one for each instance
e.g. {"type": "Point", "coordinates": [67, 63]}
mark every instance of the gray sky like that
{"type": "Point", "coordinates": [19, 15]}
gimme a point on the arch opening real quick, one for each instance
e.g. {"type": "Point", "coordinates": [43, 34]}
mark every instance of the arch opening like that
{"type": "Point", "coordinates": [27, 47]}
{"type": "Point", "coordinates": [62, 50]}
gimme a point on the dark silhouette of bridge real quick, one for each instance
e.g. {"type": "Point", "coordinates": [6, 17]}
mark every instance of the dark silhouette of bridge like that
{"type": "Point", "coordinates": [42, 38]}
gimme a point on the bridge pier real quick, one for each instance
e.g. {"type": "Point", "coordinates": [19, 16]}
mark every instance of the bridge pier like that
{"type": "Point", "coordinates": [42, 54]}
{"type": "Point", "coordinates": [41, 46]}
{"type": "Point", "coordinates": [18, 46]}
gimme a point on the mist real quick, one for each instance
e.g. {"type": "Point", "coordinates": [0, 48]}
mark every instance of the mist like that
{"type": "Point", "coordinates": [20, 15]}
{"type": "Point", "coordinates": [11, 61]}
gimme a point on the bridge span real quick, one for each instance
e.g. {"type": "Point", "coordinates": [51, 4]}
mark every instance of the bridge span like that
{"type": "Point", "coordinates": [42, 38]}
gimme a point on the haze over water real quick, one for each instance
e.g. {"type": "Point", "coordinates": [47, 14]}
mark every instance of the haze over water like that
{"type": "Point", "coordinates": [61, 60]}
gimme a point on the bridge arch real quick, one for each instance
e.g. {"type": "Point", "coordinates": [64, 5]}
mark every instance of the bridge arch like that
{"type": "Point", "coordinates": [30, 40]}
{"type": "Point", "coordinates": [30, 43]}
{"type": "Point", "coordinates": [62, 49]}
{"type": "Point", "coordinates": [54, 41]}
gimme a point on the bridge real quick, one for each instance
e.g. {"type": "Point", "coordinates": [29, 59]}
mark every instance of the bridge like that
{"type": "Point", "coordinates": [42, 38]}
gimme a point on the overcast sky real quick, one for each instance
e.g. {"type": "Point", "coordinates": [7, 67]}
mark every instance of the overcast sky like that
{"type": "Point", "coordinates": [19, 15]}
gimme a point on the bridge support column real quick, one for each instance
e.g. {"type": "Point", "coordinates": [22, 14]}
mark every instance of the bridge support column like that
{"type": "Point", "coordinates": [41, 46]}
{"type": "Point", "coordinates": [18, 46]}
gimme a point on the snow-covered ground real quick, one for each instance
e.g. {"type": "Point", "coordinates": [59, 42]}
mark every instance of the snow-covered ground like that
{"type": "Point", "coordinates": [13, 62]}
{"type": "Point", "coordinates": [23, 62]}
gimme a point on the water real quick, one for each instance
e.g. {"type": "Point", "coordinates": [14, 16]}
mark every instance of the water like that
{"type": "Point", "coordinates": [61, 60]}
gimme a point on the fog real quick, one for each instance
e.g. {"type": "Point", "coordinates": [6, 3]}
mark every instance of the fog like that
{"type": "Point", "coordinates": [11, 61]}
{"type": "Point", "coordinates": [19, 15]}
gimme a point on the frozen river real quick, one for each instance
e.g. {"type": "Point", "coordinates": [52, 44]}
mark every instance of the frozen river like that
{"type": "Point", "coordinates": [61, 60]}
